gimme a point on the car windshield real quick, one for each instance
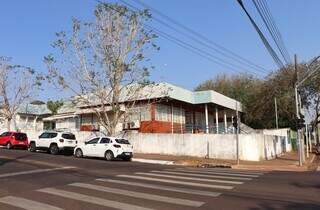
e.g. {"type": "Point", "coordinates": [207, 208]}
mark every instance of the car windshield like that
{"type": "Point", "coordinates": [69, 136]}
{"type": "Point", "coordinates": [20, 136]}
{"type": "Point", "coordinates": [122, 141]}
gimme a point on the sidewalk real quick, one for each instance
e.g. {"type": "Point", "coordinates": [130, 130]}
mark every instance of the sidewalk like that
{"type": "Point", "coordinates": [287, 162]}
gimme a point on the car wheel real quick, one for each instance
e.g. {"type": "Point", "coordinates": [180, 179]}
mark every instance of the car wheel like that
{"type": "Point", "coordinates": [79, 153]}
{"type": "Point", "coordinates": [32, 147]}
{"type": "Point", "coordinates": [54, 150]}
{"type": "Point", "coordinates": [109, 155]}
{"type": "Point", "coordinates": [9, 145]}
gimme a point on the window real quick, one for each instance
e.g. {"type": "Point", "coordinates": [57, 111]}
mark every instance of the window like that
{"type": "Point", "coordinates": [139, 113]}
{"type": "Point", "coordinates": [93, 141]}
{"type": "Point", "coordinates": [178, 115]}
{"type": "Point", "coordinates": [5, 134]}
{"type": "Point", "coordinates": [163, 113]}
{"type": "Point", "coordinates": [20, 136]}
{"type": "Point", "coordinates": [122, 141]}
{"type": "Point", "coordinates": [48, 135]}
{"type": "Point", "coordinates": [68, 136]}
{"type": "Point", "coordinates": [105, 141]}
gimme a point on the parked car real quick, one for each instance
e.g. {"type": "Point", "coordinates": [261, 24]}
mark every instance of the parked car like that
{"type": "Point", "coordinates": [14, 139]}
{"type": "Point", "coordinates": [54, 142]}
{"type": "Point", "coordinates": [105, 147]}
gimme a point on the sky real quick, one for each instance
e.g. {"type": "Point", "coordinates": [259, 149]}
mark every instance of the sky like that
{"type": "Point", "coordinates": [27, 29]}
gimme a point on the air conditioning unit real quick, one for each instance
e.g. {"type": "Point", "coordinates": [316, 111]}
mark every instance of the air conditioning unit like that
{"type": "Point", "coordinates": [134, 124]}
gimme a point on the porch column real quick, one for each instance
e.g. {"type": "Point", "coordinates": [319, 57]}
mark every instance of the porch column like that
{"type": "Point", "coordinates": [171, 118]}
{"type": "Point", "coordinates": [35, 123]}
{"type": "Point", "coordinates": [181, 129]}
{"type": "Point", "coordinates": [232, 119]}
{"type": "Point", "coordinates": [217, 120]}
{"type": "Point", "coordinates": [206, 115]}
{"type": "Point", "coordinates": [225, 122]}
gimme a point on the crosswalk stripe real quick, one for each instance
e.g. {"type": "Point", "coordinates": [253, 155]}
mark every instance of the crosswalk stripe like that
{"type": "Point", "coordinates": [217, 173]}
{"type": "Point", "coordinates": [34, 171]}
{"type": "Point", "coordinates": [190, 178]}
{"type": "Point", "coordinates": [26, 204]}
{"type": "Point", "coordinates": [177, 182]}
{"type": "Point", "coordinates": [202, 175]}
{"type": "Point", "coordinates": [135, 194]}
{"type": "Point", "coordinates": [91, 199]}
{"type": "Point", "coordinates": [161, 187]}
{"type": "Point", "coordinates": [227, 170]}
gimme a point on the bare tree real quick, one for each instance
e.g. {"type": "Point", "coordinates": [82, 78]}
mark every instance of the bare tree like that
{"type": "Point", "coordinates": [18, 84]}
{"type": "Point", "coordinates": [104, 62]}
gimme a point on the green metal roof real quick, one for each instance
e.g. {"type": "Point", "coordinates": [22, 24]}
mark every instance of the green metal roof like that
{"type": "Point", "coordinates": [166, 90]}
{"type": "Point", "coordinates": [34, 109]}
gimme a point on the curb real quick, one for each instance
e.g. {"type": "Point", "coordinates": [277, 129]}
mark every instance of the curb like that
{"type": "Point", "coordinates": [161, 162]}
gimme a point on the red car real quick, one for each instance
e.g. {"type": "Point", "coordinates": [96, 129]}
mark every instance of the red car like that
{"type": "Point", "coordinates": [14, 139]}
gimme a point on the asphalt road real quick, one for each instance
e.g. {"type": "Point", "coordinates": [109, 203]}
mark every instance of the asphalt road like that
{"type": "Point", "coordinates": [42, 181]}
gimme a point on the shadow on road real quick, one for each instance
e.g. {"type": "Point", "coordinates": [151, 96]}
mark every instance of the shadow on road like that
{"type": "Point", "coordinates": [4, 161]}
{"type": "Point", "coordinates": [306, 185]}
{"type": "Point", "coordinates": [292, 206]}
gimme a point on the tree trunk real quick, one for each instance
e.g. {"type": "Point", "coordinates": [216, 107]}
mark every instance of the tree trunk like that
{"type": "Point", "coordinates": [317, 133]}
{"type": "Point", "coordinates": [8, 124]}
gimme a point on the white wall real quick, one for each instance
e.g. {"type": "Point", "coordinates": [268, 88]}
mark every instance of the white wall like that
{"type": "Point", "coordinates": [252, 147]}
{"type": "Point", "coordinates": [283, 134]}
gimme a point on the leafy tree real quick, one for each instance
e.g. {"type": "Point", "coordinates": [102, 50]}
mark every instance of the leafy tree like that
{"type": "Point", "coordinates": [54, 106]}
{"type": "Point", "coordinates": [104, 61]}
{"type": "Point", "coordinates": [257, 96]}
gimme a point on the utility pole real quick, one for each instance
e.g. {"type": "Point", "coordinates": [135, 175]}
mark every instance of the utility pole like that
{"type": "Point", "coordinates": [307, 140]}
{"type": "Point", "coordinates": [276, 112]}
{"type": "Point", "coordinates": [237, 134]}
{"type": "Point", "coordinates": [297, 110]}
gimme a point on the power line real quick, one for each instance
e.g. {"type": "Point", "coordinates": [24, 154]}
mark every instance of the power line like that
{"type": "Point", "coordinates": [191, 48]}
{"type": "Point", "coordinates": [196, 50]}
{"type": "Point", "coordinates": [200, 52]}
{"type": "Point", "coordinates": [262, 37]}
{"type": "Point", "coordinates": [201, 38]}
{"type": "Point", "coordinates": [269, 22]}
{"type": "Point", "coordinates": [277, 30]}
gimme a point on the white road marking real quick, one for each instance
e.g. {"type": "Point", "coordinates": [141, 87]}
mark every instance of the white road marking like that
{"type": "Point", "coordinates": [202, 175]}
{"type": "Point", "coordinates": [226, 170]}
{"type": "Point", "coordinates": [135, 194]}
{"type": "Point", "coordinates": [190, 178]}
{"type": "Point", "coordinates": [162, 162]}
{"type": "Point", "coordinates": [92, 199]}
{"type": "Point", "coordinates": [27, 204]}
{"type": "Point", "coordinates": [34, 171]}
{"type": "Point", "coordinates": [177, 182]}
{"type": "Point", "coordinates": [217, 173]}
{"type": "Point", "coordinates": [161, 187]}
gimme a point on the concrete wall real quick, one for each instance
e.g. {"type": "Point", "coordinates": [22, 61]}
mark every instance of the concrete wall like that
{"type": "Point", "coordinates": [283, 135]}
{"type": "Point", "coordinates": [253, 147]}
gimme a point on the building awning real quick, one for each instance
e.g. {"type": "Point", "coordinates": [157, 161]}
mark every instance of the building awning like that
{"type": "Point", "coordinates": [94, 110]}
{"type": "Point", "coordinates": [58, 117]}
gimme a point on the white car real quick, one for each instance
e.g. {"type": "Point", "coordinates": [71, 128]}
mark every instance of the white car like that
{"type": "Point", "coordinates": [53, 142]}
{"type": "Point", "coordinates": [105, 147]}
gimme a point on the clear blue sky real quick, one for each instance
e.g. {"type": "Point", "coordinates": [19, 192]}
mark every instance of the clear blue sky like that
{"type": "Point", "coordinates": [27, 28]}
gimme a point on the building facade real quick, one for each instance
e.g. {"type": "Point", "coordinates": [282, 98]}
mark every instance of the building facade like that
{"type": "Point", "coordinates": [162, 108]}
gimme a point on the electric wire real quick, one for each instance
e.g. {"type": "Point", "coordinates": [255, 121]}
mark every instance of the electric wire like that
{"type": "Point", "coordinates": [203, 39]}
{"type": "Point", "coordinates": [273, 54]}
{"type": "Point", "coordinates": [267, 18]}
